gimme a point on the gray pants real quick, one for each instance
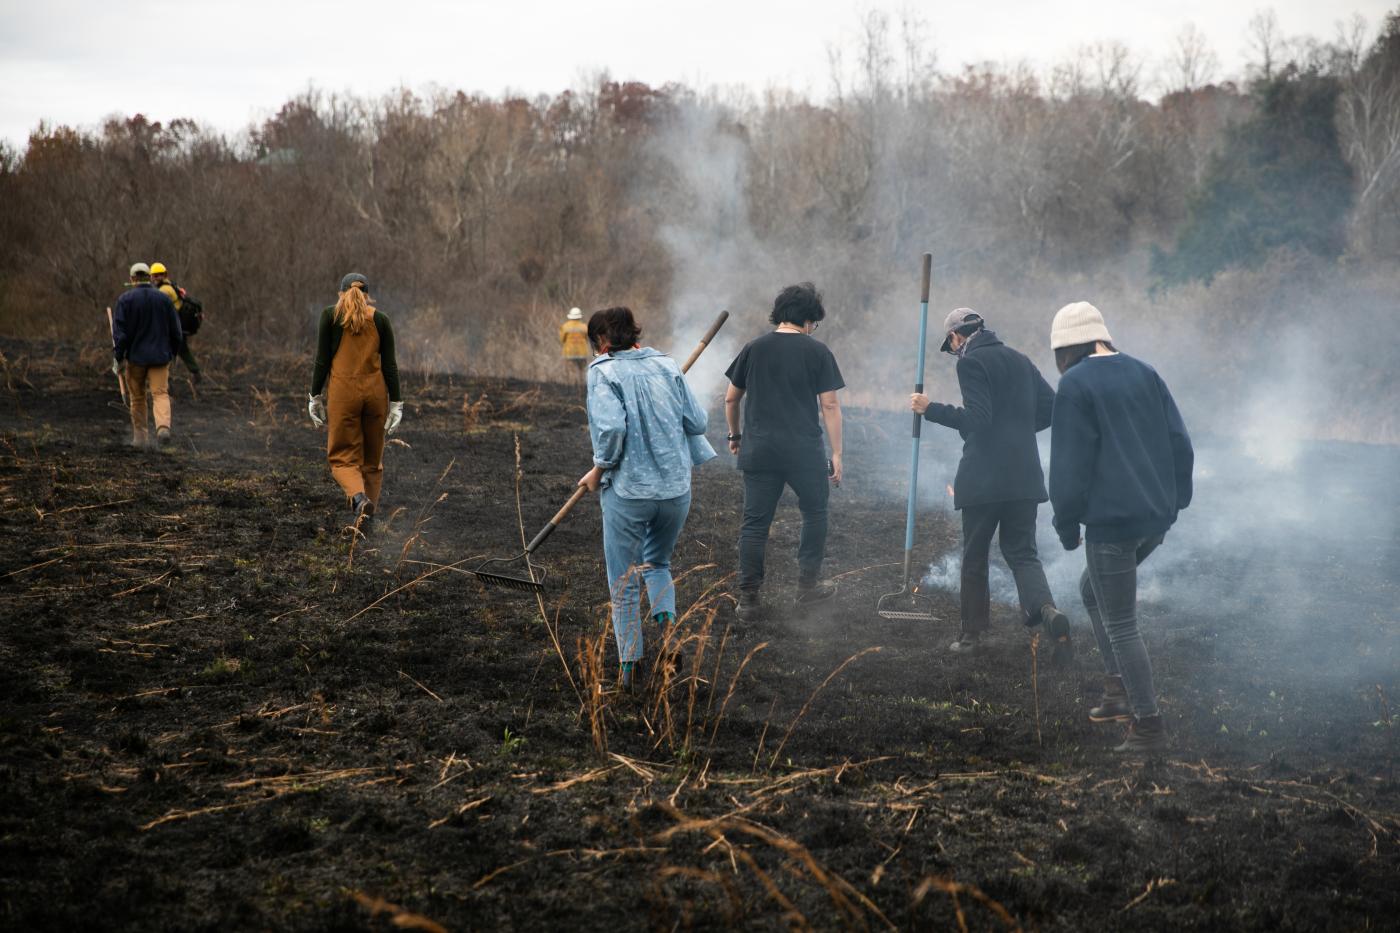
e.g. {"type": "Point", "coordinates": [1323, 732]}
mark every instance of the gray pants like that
{"type": "Point", "coordinates": [1109, 588]}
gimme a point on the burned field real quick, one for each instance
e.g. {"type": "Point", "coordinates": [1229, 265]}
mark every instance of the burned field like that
{"type": "Point", "coordinates": [220, 711]}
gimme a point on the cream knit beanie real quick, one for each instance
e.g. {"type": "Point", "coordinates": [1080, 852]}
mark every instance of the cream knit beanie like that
{"type": "Point", "coordinates": [1077, 323]}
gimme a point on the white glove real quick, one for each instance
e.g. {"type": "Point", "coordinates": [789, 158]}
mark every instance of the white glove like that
{"type": "Point", "coordinates": [316, 408]}
{"type": "Point", "coordinates": [395, 416]}
{"type": "Point", "coordinates": [118, 367]}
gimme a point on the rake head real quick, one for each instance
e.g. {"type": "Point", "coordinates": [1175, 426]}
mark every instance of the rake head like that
{"type": "Point", "coordinates": [905, 605]}
{"type": "Point", "coordinates": [504, 576]}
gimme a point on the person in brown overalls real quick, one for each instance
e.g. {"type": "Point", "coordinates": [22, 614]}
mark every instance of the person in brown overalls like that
{"type": "Point", "coordinates": [355, 348]}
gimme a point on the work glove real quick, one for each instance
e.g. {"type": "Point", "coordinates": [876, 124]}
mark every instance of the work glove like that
{"type": "Point", "coordinates": [118, 367]}
{"type": "Point", "coordinates": [316, 408]}
{"type": "Point", "coordinates": [395, 416]}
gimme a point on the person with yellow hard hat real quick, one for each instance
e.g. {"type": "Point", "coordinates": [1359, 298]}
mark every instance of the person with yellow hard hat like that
{"type": "Point", "coordinates": [573, 340]}
{"type": "Point", "coordinates": [191, 314]}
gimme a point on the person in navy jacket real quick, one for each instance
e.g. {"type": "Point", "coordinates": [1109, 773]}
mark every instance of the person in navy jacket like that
{"type": "Point", "coordinates": [1120, 471]}
{"type": "Point", "coordinates": [146, 336]}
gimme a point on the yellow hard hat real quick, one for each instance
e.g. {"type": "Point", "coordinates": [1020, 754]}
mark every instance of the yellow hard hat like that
{"type": "Point", "coordinates": [157, 268]}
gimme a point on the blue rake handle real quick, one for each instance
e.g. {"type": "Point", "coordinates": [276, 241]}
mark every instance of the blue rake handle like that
{"type": "Point", "coordinates": [918, 423]}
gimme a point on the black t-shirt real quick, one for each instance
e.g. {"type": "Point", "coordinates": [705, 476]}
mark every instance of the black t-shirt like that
{"type": "Point", "coordinates": [781, 375]}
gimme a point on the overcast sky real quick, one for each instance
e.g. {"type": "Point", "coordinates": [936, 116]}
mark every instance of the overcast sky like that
{"type": "Point", "coordinates": [229, 64]}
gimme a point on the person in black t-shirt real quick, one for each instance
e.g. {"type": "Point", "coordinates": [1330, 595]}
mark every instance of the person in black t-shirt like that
{"type": "Point", "coordinates": [790, 382]}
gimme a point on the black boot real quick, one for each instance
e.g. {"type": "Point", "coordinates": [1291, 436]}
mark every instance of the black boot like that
{"type": "Point", "coordinates": [813, 592]}
{"type": "Point", "coordinates": [363, 509]}
{"type": "Point", "coordinates": [1057, 625]}
{"type": "Point", "coordinates": [967, 643]}
{"type": "Point", "coordinates": [750, 608]}
{"type": "Point", "coordinates": [1114, 705]}
{"type": "Point", "coordinates": [1146, 736]}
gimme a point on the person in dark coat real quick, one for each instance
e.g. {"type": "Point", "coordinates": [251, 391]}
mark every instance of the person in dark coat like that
{"type": "Point", "coordinates": [146, 336]}
{"type": "Point", "coordinates": [999, 484]}
{"type": "Point", "coordinates": [1120, 468]}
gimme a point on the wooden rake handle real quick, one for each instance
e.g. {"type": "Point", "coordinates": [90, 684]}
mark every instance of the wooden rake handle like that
{"type": "Point", "coordinates": [705, 341]}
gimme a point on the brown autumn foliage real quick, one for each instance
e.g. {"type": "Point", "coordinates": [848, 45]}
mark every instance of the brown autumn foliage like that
{"type": "Point", "coordinates": [480, 220]}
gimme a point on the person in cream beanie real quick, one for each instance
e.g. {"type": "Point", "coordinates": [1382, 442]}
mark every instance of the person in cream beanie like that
{"type": "Point", "coordinates": [1076, 324]}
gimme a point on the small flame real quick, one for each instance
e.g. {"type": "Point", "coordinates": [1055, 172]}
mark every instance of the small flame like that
{"type": "Point", "coordinates": [950, 489]}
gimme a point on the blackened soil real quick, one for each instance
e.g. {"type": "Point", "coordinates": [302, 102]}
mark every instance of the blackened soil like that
{"type": "Point", "coordinates": [219, 710]}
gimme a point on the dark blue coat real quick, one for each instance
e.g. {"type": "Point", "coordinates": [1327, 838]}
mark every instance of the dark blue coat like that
{"type": "Point", "coordinates": [1120, 457]}
{"type": "Point", "coordinates": [1005, 402]}
{"type": "Point", "coordinates": [145, 328]}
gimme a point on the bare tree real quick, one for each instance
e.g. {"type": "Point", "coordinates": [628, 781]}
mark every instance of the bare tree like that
{"type": "Point", "coordinates": [1264, 43]}
{"type": "Point", "coordinates": [1192, 64]}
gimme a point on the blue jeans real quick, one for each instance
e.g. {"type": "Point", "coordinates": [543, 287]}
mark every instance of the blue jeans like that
{"type": "Point", "coordinates": [1109, 588]}
{"type": "Point", "coordinates": [638, 537]}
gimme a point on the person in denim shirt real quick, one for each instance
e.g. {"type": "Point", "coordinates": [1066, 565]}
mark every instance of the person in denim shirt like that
{"type": "Point", "coordinates": [648, 431]}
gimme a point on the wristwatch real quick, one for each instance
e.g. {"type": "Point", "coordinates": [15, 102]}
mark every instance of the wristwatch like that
{"type": "Point", "coordinates": [733, 437]}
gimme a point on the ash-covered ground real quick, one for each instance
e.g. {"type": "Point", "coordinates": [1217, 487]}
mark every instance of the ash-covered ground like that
{"type": "Point", "coordinates": [219, 712]}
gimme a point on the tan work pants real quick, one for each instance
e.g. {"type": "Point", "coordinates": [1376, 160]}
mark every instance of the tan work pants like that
{"type": "Point", "coordinates": [137, 379]}
{"type": "Point", "coordinates": [355, 411]}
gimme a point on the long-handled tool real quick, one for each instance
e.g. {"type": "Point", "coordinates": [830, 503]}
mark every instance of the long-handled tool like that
{"type": "Point", "coordinates": [121, 379]}
{"type": "Point", "coordinates": [906, 604]}
{"type": "Point", "coordinates": [504, 575]}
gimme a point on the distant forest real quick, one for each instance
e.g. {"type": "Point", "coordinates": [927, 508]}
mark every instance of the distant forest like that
{"type": "Point", "coordinates": [486, 218]}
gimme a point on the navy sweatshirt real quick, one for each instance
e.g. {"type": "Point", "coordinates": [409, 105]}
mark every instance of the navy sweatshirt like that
{"type": "Point", "coordinates": [145, 327]}
{"type": "Point", "coordinates": [1005, 402]}
{"type": "Point", "coordinates": [1120, 458]}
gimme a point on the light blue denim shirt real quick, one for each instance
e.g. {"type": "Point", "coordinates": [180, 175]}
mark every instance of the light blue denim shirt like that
{"type": "Point", "coordinates": [648, 428]}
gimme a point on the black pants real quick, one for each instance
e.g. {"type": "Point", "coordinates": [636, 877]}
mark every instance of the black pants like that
{"type": "Point", "coordinates": [762, 490]}
{"type": "Point", "coordinates": [1017, 539]}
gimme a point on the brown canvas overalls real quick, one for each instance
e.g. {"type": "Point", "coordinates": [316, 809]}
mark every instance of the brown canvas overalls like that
{"type": "Point", "coordinates": [357, 402]}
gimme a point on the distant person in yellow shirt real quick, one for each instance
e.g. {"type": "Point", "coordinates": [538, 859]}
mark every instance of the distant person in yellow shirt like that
{"type": "Point", "coordinates": [573, 340]}
{"type": "Point", "coordinates": [191, 314]}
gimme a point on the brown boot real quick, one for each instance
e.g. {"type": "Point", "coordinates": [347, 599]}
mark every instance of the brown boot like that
{"type": "Point", "coordinates": [1146, 736]}
{"type": "Point", "coordinates": [1114, 705]}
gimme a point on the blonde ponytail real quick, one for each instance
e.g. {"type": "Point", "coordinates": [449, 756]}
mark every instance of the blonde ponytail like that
{"type": "Point", "coordinates": [354, 310]}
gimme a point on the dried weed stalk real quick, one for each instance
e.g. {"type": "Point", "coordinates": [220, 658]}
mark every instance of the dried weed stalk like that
{"type": "Point", "coordinates": [808, 705]}
{"type": "Point", "coordinates": [953, 888]}
{"type": "Point", "coordinates": [1035, 685]}
{"type": "Point", "coordinates": [424, 515]}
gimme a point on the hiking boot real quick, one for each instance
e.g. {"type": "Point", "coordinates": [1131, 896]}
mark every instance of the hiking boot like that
{"type": "Point", "coordinates": [818, 591]}
{"type": "Point", "coordinates": [1114, 705]}
{"type": "Point", "coordinates": [750, 607]}
{"type": "Point", "coordinates": [363, 509]}
{"type": "Point", "coordinates": [1146, 736]}
{"type": "Point", "coordinates": [967, 643]}
{"type": "Point", "coordinates": [671, 661]}
{"type": "Point", "coordinates": [163, 437]}
{"type": "Point", "coordinates": [1057, 626]}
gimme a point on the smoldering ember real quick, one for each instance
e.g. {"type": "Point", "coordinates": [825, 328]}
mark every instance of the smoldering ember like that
{"type": "Point", "coordinates": [395, 533]}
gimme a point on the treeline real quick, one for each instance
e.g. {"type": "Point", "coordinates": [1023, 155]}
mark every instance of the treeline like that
{"type": "Point", "coordinates": [482, 219]}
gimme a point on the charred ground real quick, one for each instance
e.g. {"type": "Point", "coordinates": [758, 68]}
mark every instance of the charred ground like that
{"type": "Point", "coordinates": [214, 714]}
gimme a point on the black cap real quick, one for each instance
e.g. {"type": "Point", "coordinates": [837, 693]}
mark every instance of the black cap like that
{"type": "Point", "coordinates": [351, 279]}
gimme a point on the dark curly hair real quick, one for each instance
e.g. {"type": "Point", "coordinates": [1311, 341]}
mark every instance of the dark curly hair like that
{"type": "Point", "coordinates": [614, 327]}
{"type": "Point", "coordinates": [797, 304]}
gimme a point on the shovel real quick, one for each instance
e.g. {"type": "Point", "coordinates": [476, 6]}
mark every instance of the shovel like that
{"type": "Point", "coordinates": [905, 604]}
{"type": "Point", "coordinates": [501, 572]}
